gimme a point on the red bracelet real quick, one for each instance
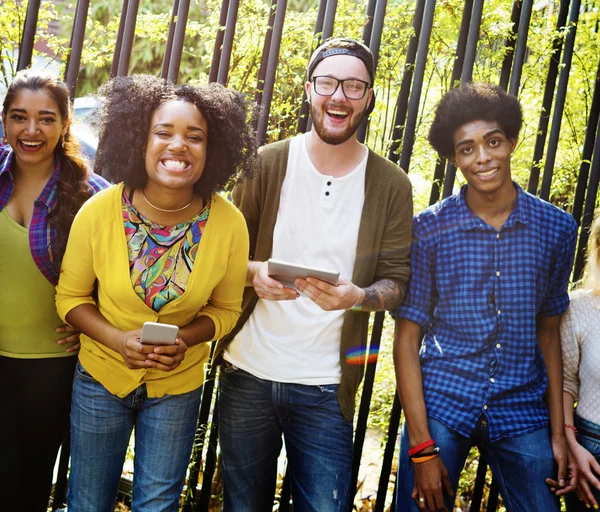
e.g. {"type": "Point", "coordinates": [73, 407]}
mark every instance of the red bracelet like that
{"type": "Point", "coordinates": [421, 446]}
{"type": "Point", "coordinates": [572, 427]}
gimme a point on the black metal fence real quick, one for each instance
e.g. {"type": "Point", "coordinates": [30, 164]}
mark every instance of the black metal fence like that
{"type": "Point", "coordinates": [407, 110]}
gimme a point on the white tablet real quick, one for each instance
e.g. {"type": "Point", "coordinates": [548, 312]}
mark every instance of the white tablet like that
{"type": "Point", "coordinates": [286, 273]}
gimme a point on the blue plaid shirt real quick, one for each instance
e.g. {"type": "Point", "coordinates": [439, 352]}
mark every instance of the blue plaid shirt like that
{"type": "Point", "coordinates": [41, 234]}
{"type": "Point", "coordinates": [476, 292]}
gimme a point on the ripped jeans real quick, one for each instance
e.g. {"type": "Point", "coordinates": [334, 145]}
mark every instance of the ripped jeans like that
{"type": "Point", "coordinates": [253, 415]}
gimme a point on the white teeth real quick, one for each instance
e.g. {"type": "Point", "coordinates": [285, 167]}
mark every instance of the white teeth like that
{"type": "Point", "coordinates": [337, 112]}
{"type": "Point", "coordinates": [488, 173]}
{"type": "Point", "coordinates": [31, 144]}
{"type": "Point", "coordinates": [176, 165]}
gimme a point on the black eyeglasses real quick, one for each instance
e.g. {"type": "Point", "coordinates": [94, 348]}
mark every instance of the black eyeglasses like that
{"type": "Point", "coordinates": [352, 88]}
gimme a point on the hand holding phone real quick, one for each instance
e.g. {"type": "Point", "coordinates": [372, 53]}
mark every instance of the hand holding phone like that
{"type": "Point", "coordinates": [159, 334]}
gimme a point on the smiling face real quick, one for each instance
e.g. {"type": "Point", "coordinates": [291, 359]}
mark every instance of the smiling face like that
{"type": "Point", "coordinates": [176, 148]}
{"type": "Point", "coordinates": [482, 153]}
{"type": "Point", "coordinates": [33, 127]}
{"type": "Point", "coordinates": [336, 118]}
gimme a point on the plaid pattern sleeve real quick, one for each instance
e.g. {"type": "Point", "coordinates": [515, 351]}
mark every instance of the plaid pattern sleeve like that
{"type": "Point", "coordinates": [476, 292]}
{"type": "Point", "coordinates": [41, 234]}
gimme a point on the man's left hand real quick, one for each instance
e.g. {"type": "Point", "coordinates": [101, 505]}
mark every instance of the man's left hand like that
{"type": "Point", "coordinates": [567, 468]}
{"type": "Point", "coordinates": [330, 297]}
{"type": "Point", "coordinates": [72, 336]}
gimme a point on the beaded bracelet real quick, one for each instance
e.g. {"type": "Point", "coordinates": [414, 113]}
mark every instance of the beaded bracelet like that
{"type": "Point", "coordinates": [572, 427]}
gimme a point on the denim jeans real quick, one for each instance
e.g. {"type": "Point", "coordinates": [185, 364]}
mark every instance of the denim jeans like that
{"type": "Point", "coordinates": [592, 445]}
{"type": "Point", "coordinates": [253, 415]}
{"type": "Point", "coordinates": [101, 425]}
{"type": "Point", "coordinates": [520, 464]}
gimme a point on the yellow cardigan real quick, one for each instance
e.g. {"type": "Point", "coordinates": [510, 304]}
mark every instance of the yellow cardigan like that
{"type": "Point", "coordinates": [97, 252]}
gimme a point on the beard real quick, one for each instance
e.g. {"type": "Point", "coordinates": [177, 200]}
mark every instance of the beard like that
{"type": "Point", "coordinates": [330, 137]}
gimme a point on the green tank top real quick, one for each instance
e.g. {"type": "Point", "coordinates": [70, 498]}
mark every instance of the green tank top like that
{"type": "Point", "coordinates": [28, 317]}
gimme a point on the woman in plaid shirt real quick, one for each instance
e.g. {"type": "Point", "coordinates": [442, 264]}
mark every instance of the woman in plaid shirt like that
{"type": "Point", "coordinates": [43, 183]}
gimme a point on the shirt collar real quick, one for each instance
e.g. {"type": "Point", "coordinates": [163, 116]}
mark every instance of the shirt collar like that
{"type": "Point", "coordinates": [468, 220]}
{"type": "Point", "coordinates": [48, 195]}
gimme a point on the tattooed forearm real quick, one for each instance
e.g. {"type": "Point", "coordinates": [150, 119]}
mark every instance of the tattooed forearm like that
{"type": "Point", "coordinates": [381, 295]}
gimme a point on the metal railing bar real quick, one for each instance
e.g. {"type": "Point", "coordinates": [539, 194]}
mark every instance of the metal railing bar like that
{"type": "Point", "coordinates": [479, 485]}
{"type": "Point", "coordinates": [542, 132]}
{"type": "Point", "coordinates": [211, 461]}
{"type": "Point", "coordinates": [586, 153]}
{"type": "Point", "coordinates": [119, 42]}
{"type": "Point", "coordinates": [403, 96]}
{"type": "Point", "coordinates": [216, 58]}
{"type": "Point", "coordinates": [228, 42]}
{"type": "Point", "coordinates": [263, 119]}
{"type": "Point", "coordinates": [517, 69]}
{"type": "Point", "coordinates": [262, 70]}
{"type": "Point", "coordinates": [388, 455]}
{"type": "Point", "coordinates": [205, 408]}
{"type": "Point", "coordinates": [77, 37]}
{"type": "Point", "coordinates": [493, 494]}
{"type": "Point", "coordinates": [415, 95]}
{"type": "Point", "coordinates": [590, 200]}
{"type": "Point", "coordinates": [329, 19]}
{"type": "Point", "coordinates": [164, 72]}
{"type": "Point", "coordinates": [590, 205]}
{"type": "Point", "coordinates": [178, 40]}
{"type": "Point", "coordinates": [472, 39]}
{"type": "Point", "coordinates": [369, 17]}
{"type": "Point", "coordinates": [509, 46]}
{"type": "Point", "coordinates": [128, 37]}
{"type": "Point", "coordinates": [365, 403]}
{"type": "Point", "coordinates": [28, 37]}
{"type": "Point", "coordinates": [561, 95]}
{"type": "Point", "coordinates": [304, 108]}
{"type": "Point", "coordinates": [374, 43]}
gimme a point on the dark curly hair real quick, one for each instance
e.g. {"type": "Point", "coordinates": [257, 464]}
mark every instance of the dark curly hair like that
{"type": "Point", "coordinates": [124, 123]}
{"type": "Point", "coordinates": [72, 188]}
{"type": "Point", "coordinates": [473, 102]}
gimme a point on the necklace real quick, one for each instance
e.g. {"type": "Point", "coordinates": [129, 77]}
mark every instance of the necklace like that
{"type": "Point", "coordinates": [167, 211]}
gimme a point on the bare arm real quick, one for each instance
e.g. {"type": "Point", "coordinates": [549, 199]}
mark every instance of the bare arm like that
{"type": "Point", "coordinates": [431, 477]}
{"type": "Point", "coordinates": [549, 340]}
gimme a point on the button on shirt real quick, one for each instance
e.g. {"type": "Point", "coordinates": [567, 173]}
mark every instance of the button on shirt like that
{"type": "Point", "coordinates": [41, 234]}
{"type": "Point", "coordinates": [476, 292]}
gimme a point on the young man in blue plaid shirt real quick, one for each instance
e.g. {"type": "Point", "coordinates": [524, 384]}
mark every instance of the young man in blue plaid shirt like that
{"type": "Point", "coordinates": [477, 351]}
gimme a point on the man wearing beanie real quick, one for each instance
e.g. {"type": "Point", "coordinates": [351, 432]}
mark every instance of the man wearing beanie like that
{"type": "Point", "coordinates": [322, 200]}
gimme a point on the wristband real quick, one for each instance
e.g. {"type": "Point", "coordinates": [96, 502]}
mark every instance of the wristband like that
{"type": "Point", "coordinates": [435, 451]}
{"type": "Point", "coordinates": [421, 447]}
{"type": "Point", "coordinates": [419, 460]}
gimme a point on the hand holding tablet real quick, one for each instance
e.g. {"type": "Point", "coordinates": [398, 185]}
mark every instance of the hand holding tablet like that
{"type": "Point", "coordinates": [286, 273]}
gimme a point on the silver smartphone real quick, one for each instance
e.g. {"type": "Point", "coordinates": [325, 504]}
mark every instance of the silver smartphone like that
{"type": "Point", "coordinates": [159, 334]}
{"type": "Point", "coordinates": [286, 272]}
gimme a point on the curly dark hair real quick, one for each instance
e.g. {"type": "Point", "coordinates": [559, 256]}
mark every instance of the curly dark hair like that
{"type": "Point", "coordinates": [473, 102]}
{"type": "Point", "coordinates": [124, 123]}
{"type": "Point", "coordinates": [72, 188]}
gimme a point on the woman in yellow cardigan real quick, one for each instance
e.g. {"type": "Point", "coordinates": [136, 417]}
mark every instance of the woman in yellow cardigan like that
{"type": "Point", "coordinates": [162, 246]}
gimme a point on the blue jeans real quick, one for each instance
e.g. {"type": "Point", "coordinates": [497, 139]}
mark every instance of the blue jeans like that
{"type": "Point", "coordinates": [592, 445]}
{"type": "Point", "coordinates": [101, 425]}
{"type": "Point", "coordinates": [520, 464]}
{"type": "Point", "coordinates": [253, 414]}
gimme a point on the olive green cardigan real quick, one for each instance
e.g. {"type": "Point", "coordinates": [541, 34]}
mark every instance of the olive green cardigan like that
{"type": "Point", "coordinates": [382, 251]}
